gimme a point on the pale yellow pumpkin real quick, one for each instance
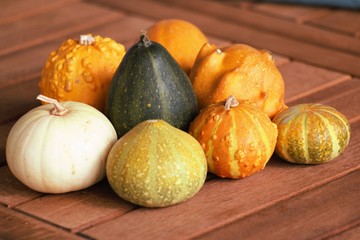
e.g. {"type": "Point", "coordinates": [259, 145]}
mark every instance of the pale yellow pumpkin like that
{"type": "Point", "coordinates": [60, 147]}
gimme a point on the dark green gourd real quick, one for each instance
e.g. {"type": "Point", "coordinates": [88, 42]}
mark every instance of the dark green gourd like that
{"type": "Point", "coordinates": [149, 84]}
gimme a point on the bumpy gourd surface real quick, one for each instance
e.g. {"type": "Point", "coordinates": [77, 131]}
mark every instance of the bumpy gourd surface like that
{"type": "Point", "coordinates": [156, 165]}
{"type": "Point", "coordinates": [237, 142]}
{"type": "Point", "coordinates": [311, 133]}
{"type": "Point", "coordinates": [81, 73]}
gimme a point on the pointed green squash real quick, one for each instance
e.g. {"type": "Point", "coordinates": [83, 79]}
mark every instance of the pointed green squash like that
{"type": "Point", "coordinates": [149, 84]}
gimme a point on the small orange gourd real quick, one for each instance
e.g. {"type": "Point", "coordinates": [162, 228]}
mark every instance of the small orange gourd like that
{"type": "Point", "coordinates": [238, 138]}
{"type": "Point", "coordinates": [239, 70]}
{"type": "Point", "coordinates": [82, 70]}
{"type": "Point", "coordinates": [181, 38]}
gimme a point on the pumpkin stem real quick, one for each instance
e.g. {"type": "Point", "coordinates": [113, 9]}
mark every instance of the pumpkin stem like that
{"type": "Point", "coordinates": [86, 40]}
{"type": "Point", "coordinates": [144, 38]}
{"type": "Point", "coordinates": [58, 109]}
{"type": "Point", "coordinates": [231, 102]}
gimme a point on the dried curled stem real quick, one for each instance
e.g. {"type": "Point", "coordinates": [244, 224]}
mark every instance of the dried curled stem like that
{"type": "Point", "coordinates": [58, 109]}
{"type": "Point", "coordinates": [231, 102]}
{"type": "Point", "coordinates": [144, 38]}
{"type": "Point", "coordinates": [86, 40]}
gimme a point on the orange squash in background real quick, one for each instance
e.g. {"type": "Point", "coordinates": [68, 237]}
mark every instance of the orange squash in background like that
{"type": "Point", "coordinates": [82, 70]}
{"type": "Point", "coordinates": [181, 38]}
{"type": "Point", "coordinates": [238, 138]}
{"type": "Point", "coordinates": [241, 71]}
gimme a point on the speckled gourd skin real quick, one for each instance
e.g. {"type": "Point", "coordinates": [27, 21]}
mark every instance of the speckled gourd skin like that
{"type": "Point", "coordinates": [81, 73]}
{"type": "Point", "coordinates": [156, 165]}
{"type": "Point", "coordinates": [237, 142]}
{"type": "Point", "coordinates": [311, 133]}
{"type": "Point", "coordinates": [149, 84]}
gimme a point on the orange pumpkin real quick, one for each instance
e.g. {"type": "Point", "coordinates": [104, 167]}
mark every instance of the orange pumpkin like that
{"type": "Point", "coordinates": [238, 138]}
{"type": "Point", "coordinates": [82, 70]}
{"type": "Point", "coordinates": [181, 38]}
{"type": "Point", "coordinates": [241, 71]}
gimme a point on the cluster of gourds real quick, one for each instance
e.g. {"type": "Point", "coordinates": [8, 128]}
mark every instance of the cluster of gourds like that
{"type": "Point", "coordinates": [156, 119]}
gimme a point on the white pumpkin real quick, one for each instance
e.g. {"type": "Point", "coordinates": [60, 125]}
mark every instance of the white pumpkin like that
{"type": "Point", "coordinates": [60, 148]}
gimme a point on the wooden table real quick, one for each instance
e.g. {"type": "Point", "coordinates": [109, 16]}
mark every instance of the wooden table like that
{"type": "Point", "coordinates": [317, 50]}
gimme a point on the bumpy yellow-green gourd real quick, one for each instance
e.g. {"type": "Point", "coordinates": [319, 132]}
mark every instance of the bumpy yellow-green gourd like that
{"type": "Point", "coordinates": [311, 133]}
{"type": "Point", "coordinates": [156, 165]}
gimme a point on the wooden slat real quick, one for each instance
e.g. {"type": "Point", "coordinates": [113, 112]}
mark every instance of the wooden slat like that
{"type": "Point", "coordinates": [13, 192]}
{"type": "Point", "coordinates": [17, 99]}
{"type": "Point", "coordinates": [18, 226]}
{"type": "Point", "coordinates": [212, 25]}
{"type": "Point", "coordinates": [344, 97]}
{"type": "Point", "coordinates": [51, 25]}
{"type": "Point", "coordinates": [302, 79]}
{"type": "Point", "coordinates": [28, 63]}
{"type": "Point", "coordinates": [4, 132]}
{"type": "Point", "coordinates": [306, 33]}
{"type": "Point", "coordinates": [221, 202]}
{"type": "Point", "coordinates": [14, 10]}
{"type": "Point", "coordinates": [306, 216]}
{"type": "Point", "coordinates": [83, 208]}
{"type": "Point", "coordinates": [344, 21]}
{"type": "Point", "coordinates": [294, 12]}
{"type": "Point", "coordinates": [348, 234]}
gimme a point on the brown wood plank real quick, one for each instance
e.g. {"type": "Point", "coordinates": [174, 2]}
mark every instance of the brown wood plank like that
{"type": "Point", "coordinates": [51, 25]}
{"type": "Point", "coordinates": [221, 201]}
{"type": "Point", "coordinates": [15, 225]}
{"type": "Point", "coordinates": [4, 132]}
{"type": "Point", "coordinates": [302, 79]}
{"type": "Point", "coordinates": [28, 63]}
{"type": "Point", "coordinates": [277, 43]}
{"type": "Point", "coordinates": [344, 97]}
{"type": "Point", "coordinates": [14, 10]}
{"type": "Point", "coordinates": [317, 209]}
{"type": "Point", "coordinates": [348, 234]}
{"type": "Point", "coordinates": [297, 13]}
{"type": "Point", "coordinates": [12, 191]}
{"type": "Point", "coordinates": [268, 22]}
{"type": "Point", "coordinates": [344, 21]}
{"type": "Point", "coordinates": [18, 99]}
{"type": "Point", "coordinates": [83, 208]}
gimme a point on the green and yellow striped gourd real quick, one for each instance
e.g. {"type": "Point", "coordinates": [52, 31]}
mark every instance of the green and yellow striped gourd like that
{"type": "Point", "coordinates": [311, 133]}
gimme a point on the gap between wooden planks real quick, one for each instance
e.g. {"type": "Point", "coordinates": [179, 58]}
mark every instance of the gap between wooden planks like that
{"type": "Point", "coordinates": [51, 25]}
{"type": "Point", "coordinates": [294, 48]}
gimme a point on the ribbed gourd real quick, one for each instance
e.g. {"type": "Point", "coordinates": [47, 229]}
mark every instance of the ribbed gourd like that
{"type": "Point", "coordinates": [238, 139]}
{"type": "Point", "coordinates": [156, 165]}
{"type": "Point", "coordinates": [149, 84]}
{"type": "Point", "coordinates": [311, 133]}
